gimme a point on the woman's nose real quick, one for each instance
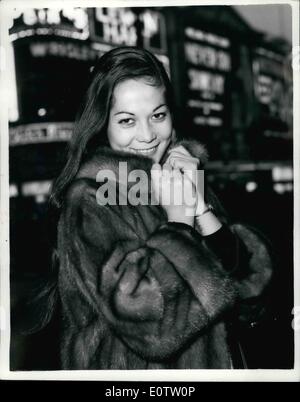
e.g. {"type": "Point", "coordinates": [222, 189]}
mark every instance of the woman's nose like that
{"type": "Point", "coordinates": [146, 133]}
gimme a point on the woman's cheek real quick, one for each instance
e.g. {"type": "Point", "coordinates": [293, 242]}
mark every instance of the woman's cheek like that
{"type": "Point", "coordinates": [166, 130]}
{"type": "Point", "coordinates": [126, 137]}
{"type": "Point", "coordinates": [122, 138]}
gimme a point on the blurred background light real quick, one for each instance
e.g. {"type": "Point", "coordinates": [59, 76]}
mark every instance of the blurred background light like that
{"type": "Point", "coordinates": [36, 188]}
{"type": "Point", "coordinates": [42, 112]}
{"type": "Point", "coordinates": [251, 186]}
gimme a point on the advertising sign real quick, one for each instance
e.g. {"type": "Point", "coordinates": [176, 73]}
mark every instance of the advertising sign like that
{"type": "Point", "coordinates": [68, 22]}
{"type": "Point", "coordinates": [208, 62]}
{"type": "Point", "coordinates": [127, 26]}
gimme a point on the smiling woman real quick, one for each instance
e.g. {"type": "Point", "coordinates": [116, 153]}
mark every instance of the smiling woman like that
{"type": "Point", "coordinates": [139, 119]}
{"type": "Point", "coordinates": [144, 286]}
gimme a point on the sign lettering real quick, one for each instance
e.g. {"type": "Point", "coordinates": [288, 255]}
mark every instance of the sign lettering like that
{"type": "Point", "coordinates": [206, 82]}
{"type": "Point", "coordinates": [206, 56]}
{"type": "Point", "coordinates": [122, 26]}
{"type": "Point", "coordinates": [47, 21]}
{"type": "Point", "coordinates": [208, 61]}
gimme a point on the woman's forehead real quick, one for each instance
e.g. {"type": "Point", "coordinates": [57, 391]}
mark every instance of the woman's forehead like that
{"type": "Point", "coordinates": [135, 92]}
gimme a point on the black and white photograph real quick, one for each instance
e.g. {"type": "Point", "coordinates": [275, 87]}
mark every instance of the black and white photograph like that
{"type": "Point", "coordinates": [149, 194]}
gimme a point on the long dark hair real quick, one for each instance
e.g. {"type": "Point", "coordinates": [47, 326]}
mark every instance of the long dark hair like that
{"type": "Point", "coordinates": [90, 126]}
{"type": "Point", "coordinates": [89, 133]}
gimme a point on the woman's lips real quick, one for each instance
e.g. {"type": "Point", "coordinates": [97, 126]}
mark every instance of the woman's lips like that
{"type": "Point", "coordinates": [145, 151]}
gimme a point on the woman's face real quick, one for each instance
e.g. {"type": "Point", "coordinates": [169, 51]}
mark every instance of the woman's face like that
{"type": "Point", "coordinates": [139, 120]}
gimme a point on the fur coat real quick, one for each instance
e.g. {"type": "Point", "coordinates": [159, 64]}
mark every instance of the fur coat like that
{"type": "Point", "coordinates": [138, 292]}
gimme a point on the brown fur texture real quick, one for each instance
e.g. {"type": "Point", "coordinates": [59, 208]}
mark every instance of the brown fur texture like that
{"type": "Point", "coordinates": [138, 292]}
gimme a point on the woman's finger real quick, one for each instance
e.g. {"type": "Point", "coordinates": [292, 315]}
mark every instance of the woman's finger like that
{"type": "Point", "coordinates": [181, 153]}
{"type": "Point", "coordinates": [180, 149]}
{"type": "Point", "coordinates": [156, 167]}
{"type": "Point", "coordinates": [183, 163]}
{"type": "Point", "coordinates": [166, 168]}
{"type": "Point", "coordinates": [156, 174]}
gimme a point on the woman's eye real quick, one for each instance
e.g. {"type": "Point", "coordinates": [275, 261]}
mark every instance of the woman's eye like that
{"type": "Point", "coordinates": [126, 122]}
{"type": "Point", "coordinates": [159, 116]}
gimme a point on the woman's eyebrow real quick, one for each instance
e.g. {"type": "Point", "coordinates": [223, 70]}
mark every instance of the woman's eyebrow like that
{"type": "Point", "coordinates": [115, 114]}
{"type": "Point", "coordinates": [132, 114]}
{"type": "Point", "coordinates": [157, 107]}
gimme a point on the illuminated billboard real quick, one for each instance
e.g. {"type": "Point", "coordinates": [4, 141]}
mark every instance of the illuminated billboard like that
{"type": "Point", "coordinates": [208, 61]}
{"type": "Point", "coordinates": [69, 22]}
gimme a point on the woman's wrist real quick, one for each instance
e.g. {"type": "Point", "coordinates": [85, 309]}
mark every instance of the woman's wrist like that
{"type": "Point", "coordinates": [207, 223]}
{"type": "Point", "coordinates": [188, 220]}
{"type": "Point", "coordinates": [181, 215]}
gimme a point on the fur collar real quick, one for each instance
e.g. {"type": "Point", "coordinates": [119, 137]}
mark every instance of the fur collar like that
{"type": "Point", "coordinates": [107, 158]}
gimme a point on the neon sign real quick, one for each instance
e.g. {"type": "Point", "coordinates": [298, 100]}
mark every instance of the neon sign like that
{"type": "Point", "coordinates": [68, 22]}
{"type": "Point", "coordinates": [206, 82]}
{"type": "Point", "coordinates": [207, 56]}
{"type": "Point", "coordinates": [208, 62]}
{"type": "Point", "coordinates": [37, 133]}
{"type": "Point", "coordinates": [119, 26]}
{"type": "Point", "coordinates": [62, 49]}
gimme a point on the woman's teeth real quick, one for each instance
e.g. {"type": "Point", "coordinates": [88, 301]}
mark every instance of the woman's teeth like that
{"type": "Point", "coordinates": [147, 151]}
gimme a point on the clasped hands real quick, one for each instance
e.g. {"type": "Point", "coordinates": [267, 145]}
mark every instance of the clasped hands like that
{"type": "Point", "coordinates": [178, 186]}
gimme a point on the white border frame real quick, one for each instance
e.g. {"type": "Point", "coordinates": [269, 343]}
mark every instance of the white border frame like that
{"type": "Point", "coordinates": [137, 375]}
